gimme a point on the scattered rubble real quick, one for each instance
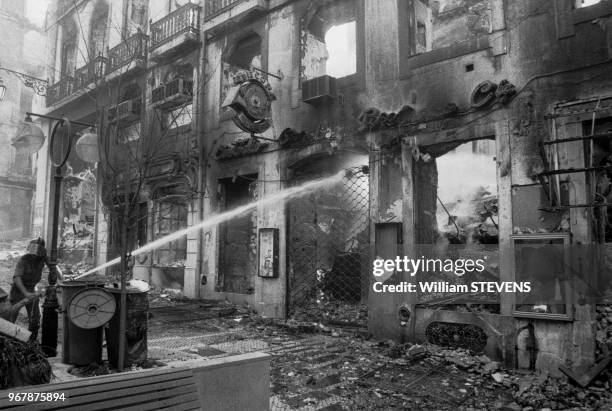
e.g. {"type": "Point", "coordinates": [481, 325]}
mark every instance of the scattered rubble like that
{"type": "Point", "coordinates": [603, 336]}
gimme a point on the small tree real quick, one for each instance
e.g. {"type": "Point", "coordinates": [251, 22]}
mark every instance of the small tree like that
{"type": "Point", "coordinates": [128, 152]}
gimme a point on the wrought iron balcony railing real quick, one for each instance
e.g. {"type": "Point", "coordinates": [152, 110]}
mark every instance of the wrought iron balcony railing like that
{"type": "Point", "coordinates": [60, 90]}
{"type": "Point", "coordinates": [216, 6]}
{"type": "Point", "coordinates": [132, 49]}
{"type": "Point", "coordinates": [89, 73]}
{"type": "Point", "coordinates": [183, 20]}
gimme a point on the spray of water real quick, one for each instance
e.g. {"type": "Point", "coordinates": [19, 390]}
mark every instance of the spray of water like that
{"type": "Point", "coordinates": [287, 194]}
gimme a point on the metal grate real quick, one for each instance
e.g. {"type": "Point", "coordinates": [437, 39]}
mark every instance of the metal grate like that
{"type": "Point", "coordinates": [329, 250]}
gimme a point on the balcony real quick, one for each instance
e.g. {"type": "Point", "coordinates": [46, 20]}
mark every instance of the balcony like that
{"type": "Point", "coordinates": [128, 56]}
{"type": "Point", "coordinates": [214, 7]}
{"type": "Point", "coordinates": [221, 13]}
{"type": "Point", "coordinates": [175, 32]}
{"type": "Point", "coordinates": [60, 90]}
{"type": "Point", "coordinates": [89, 73]}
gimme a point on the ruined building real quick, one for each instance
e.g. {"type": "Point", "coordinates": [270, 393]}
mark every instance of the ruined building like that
{"type": "Point", "coordinates": [464, 128]}
{"type": "Point", "coordinates": [22, 44]}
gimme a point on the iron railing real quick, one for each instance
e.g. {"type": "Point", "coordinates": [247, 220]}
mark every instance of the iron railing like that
{"type": "Point", "coordinates": [216, 6]}
{"type": "Point", "coordinates": [60, 90]}
{"type": "Point", "coordinates": [183, 20]}
{"type": "Point", "coordinates": [89, 73]}
{"type": "Point", "coordinates": [132, 49]}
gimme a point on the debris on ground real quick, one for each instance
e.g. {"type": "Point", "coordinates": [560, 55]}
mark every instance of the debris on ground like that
{"type": "Point", "coordinates": [22, 363]}
{"type": "Point", "coordinates": [332, 312]}
{"type": "Point", "coordinates": [603, 336]}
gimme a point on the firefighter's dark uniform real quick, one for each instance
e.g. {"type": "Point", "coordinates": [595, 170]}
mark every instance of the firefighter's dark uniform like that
{"type": "Point", "coordinates": [29, 268]}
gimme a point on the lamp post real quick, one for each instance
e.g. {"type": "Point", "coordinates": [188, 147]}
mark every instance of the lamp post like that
{"type": "Point", "coordinates": [60, 145]}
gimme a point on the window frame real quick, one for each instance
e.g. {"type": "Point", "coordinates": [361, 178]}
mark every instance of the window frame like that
{"type": "Point", "coordinates": [357, 78]}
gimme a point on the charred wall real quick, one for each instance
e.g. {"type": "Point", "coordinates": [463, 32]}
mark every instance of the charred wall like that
{"type": "Point", "coordinates": [549, 53]}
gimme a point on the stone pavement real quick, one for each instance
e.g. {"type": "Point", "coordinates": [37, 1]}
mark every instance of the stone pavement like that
{"type": "Point", "coordinates": [318, 368]}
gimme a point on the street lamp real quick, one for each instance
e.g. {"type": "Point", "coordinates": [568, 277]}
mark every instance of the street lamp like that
{"type": "Point", "coordinates": [60, 145]}
{"type": "Point", "coordinates": [87, 147]}
{"type": "Point", "coordinates": [29, 136]}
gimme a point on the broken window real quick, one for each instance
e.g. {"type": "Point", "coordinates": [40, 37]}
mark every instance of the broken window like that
{"type": "Point", "coordinates": [136, 17]}
{"type": "Point", "coordinates": [447, 22]}
{"type": "Point", "coordinates": [456, 201]}
{"type": "Point", "coordinates": [238, 236]}
{"type": "Point", "coordinates": [245, 55]}
{"type": "Point", "coordinates": [68, 48]}
{"type": "Point", "coordinates": [421, 37]}
{"type": "Point", "coordinates": [170, 216]}
{"type": "Point", "coordinates": [329, 42]}
{"type": "Point", "coordinates": [97, 30]}
{"type": "Point", "coordinates": [585, 3]}
{"type": "Point", "coordinates": [601, 156]}
{"type": "Point", "coordinates": [467, 194]}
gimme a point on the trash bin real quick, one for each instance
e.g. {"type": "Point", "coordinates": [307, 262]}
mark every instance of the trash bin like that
{"type": "Point", "coordinates": [137, 303]}
{"type": "Point", "coordinates": [80, 346]}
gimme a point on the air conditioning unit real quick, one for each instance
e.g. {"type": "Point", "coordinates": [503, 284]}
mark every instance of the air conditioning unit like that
{"type": "Point", "coordinates": [158, 94]}
{"type": "Point", "coordinates": [173, 93]}
{"type": "Point", "coordinates": [129, 110]}
{"type": "Point", "coordinates": [125, 111]}
{"type": "Point", "coordinates": [319, 89]}
{"type": "Point", "coordinates": [179, 91]}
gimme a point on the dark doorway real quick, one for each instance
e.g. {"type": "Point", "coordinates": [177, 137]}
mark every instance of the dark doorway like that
{"type": "Point", "coordinates": [328, 249]}
{"type": "Point", "coordinates": [238, 237]}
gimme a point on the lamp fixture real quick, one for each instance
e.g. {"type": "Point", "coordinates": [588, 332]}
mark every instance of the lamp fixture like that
{"type": "Point", "coordinates": [30, 136]}
{"type": "Point", "coordinates": [87, 146]}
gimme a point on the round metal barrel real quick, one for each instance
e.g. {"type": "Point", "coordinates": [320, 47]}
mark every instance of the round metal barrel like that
{"type": "Point", "coordinates": [137, 304]}
{"type": "Point", "coordinates": [80, 346]}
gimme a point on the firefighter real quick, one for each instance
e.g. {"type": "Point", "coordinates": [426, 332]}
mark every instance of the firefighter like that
{"type": "Point", "coordinates": [28, 273]}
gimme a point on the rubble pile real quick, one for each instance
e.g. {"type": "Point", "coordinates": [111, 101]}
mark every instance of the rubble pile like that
{"type": "Point", "coordinates": [603, 336]}
{"type": "Point", "coordinates": [159, 297]}
{"type": "Point", "coordinates": [333, 313]}
{"type": "Point", "coordinates": [530, 391]}
{"type": "Point", "coordinates": [10, 251]}
{"type": "Point", "coordinates": [544, 392]}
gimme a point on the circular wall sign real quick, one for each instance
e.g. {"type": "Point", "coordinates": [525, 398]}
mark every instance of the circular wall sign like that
{"type": "Point", "coordinates": [60, 142]}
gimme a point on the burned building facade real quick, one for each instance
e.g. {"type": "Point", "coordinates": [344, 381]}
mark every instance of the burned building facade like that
{"type": "Point", "coordinates": [459, 126]}
{"type": "Point", "coordinates": [17, 168]}
{"type": "Point", "coordinates": [500, 148]}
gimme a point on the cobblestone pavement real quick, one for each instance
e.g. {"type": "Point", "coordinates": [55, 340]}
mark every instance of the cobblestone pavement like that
{"type": "Point", "coordinates": [314, 367]}
{"type": "Point", "coordinates": [317, 368]}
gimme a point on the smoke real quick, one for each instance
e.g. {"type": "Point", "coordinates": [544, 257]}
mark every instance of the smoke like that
{"type": "Point", "coordinates": [464, 178]}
